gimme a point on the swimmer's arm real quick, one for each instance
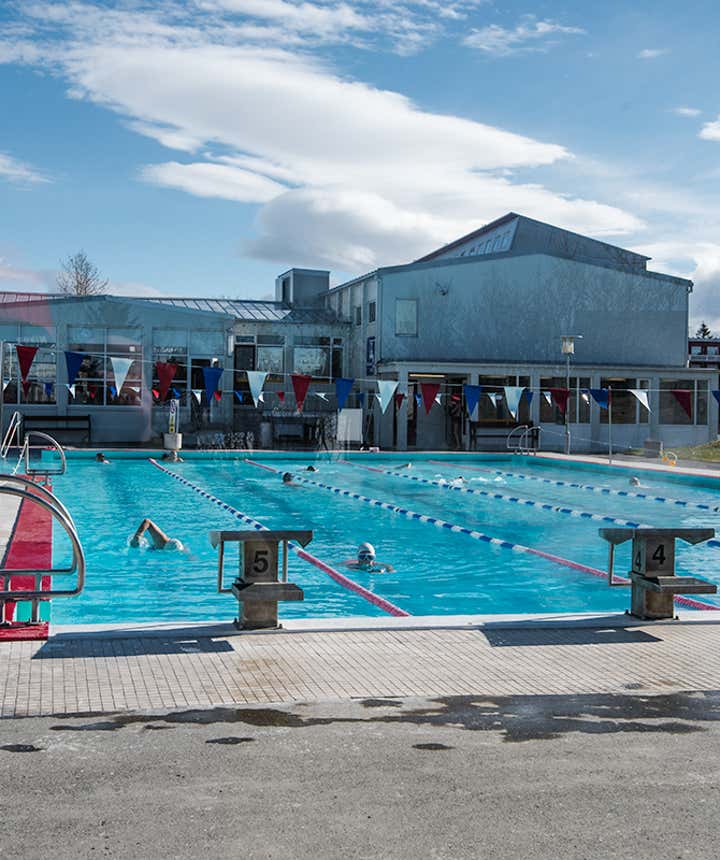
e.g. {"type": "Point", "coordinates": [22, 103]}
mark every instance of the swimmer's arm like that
{"type": "Point", "coordinates": [157, 535]}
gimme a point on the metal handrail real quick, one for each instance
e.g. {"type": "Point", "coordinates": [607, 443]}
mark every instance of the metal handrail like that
{"type": "Point", "coordinates": [523, 445]}
{"type": "Point", "coordinates": [29, 485]}
{"type": "Point", "coordinates": [54, 442]}
{"type": "Point", "coordinates": [10, 433]}
{"type": "Point", "coordinates": [35, 595]}
{"type": "Point", "coordinates": [520, 428]}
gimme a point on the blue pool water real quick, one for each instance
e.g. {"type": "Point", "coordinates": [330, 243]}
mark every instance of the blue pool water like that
{"type": "Point", "coordinates": [437, 571]}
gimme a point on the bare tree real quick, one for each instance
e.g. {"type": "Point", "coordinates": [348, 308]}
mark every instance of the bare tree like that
{"type": "Point", "coordinates": [79, 277]}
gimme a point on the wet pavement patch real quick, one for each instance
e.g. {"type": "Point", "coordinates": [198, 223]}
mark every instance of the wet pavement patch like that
{"type": "Point", "coordinates": [517, 718]}
{"type": "Point", "coordinates": [20, 748]}
{"type": "Point", "coordinates": [230, 741]}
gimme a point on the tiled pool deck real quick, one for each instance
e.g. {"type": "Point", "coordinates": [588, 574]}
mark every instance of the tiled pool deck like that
{"type": "Point", "coordinates": [199, 666]}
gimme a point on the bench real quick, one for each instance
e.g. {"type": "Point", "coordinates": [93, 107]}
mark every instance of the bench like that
{"type": "Point", "coordinates": [53, 424]}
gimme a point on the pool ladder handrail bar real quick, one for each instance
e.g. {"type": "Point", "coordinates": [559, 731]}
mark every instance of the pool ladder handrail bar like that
{"type": "Point", "coordinates": [35, 595]}
{"type": "Point", "coordinates": [521, 428]}
{"type": "Point", "coordinates": [26, 454]}
{"type": "Point", "coordinates": [30, 486]}
{"type": "Point", "coordinates": [523, 445]}
{"type": "Point", "coordinates": [11, 432]}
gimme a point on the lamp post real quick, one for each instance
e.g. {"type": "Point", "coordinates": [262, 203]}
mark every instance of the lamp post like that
{"type": "Point", "coordinates": [568, 349]}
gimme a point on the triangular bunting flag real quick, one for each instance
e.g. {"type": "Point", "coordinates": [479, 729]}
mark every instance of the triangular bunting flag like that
{"type": "Point", "coordinates": [684, 398]}
{"type": "Point", "coordinates": [342, 389]}
{"type": "Point", "coordinates": [6, 382]}
{"type": "Point", "coordinates": [26, 356]}
{"type": "Point", "coordinates": [176, 393]}
{"type": "Point", "coordinates": [300, 383]}
{"type": "Point", "coordinates": [211, 376]}
{"type": "Point", "coordinates": [437, 399]}
{"type": "Point", "coordinates": [71, 389]}
{"type": "Point", "coordinates": [399, 397]}
{"type": "Point", "coordinates": [361, 398]}
{"type": "Point", "coordinates": [73, 360]}
{"type": "Point", "coordinates": [601, 396]}
{"type": "Point", "coordinates": [166, 373]}
{"type": "Point", "coordinates": [48, 388]}
{"type": "Point", "coordinates": [642, 396]}
{"type": "Point", "coordinates": [120, 367]}
{"type": "Point", "coordinates": [560, 396]}
{"type": "Point", "coordinates": [513, 393]}
{"type": "Point", "coordinates": [418, 399]}
{"type": "Point", "coordinates": [715, 394]}
{"type": "Point", "coordinates": [429, 391]}
{"type": "Point", "coordinates": [386, 389]}
{"type": "Point", "coordinates": [113, 391]}
{"type": "Point", "coordinates": [256, 380]}
{"type": "Point", "coordinates": [377, 398]}
{"type": "Point", "coordinates": [281, 396]}
{"type": "Point", "coordinates": [217, 395]}
{"type": "Point", "coordinates": [529, 395]}
{"type": "Point", "coordinates": [261, 397]}
{"type": "Point", "coordinates": [322, 395]}
{"type": "Point", "coordinates": [155, 393]}
{"type": "Point", "coordinates": [472, 397]}
{"type": "Point", "coordinates": [197, 394]}
{"type": "Point", "coordinates": [548, 398]}
{"type": "Point", "coordinates": [239, 396]}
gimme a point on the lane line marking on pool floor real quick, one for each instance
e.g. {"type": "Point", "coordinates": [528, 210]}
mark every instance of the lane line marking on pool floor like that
{"type": "Point", "coordinates": [605, 491]}
{"type": "Point", "coordinates": [338, 577]}
{"type": "Point", "coordinates": [475, 535]}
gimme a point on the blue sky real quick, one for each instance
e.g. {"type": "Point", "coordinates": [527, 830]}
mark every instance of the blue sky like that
{"type": "Point", "coordinates": [200, 148]}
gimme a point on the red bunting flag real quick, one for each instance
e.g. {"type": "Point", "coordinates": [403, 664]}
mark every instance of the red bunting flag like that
{"type": "Point", "coordinates": [166, 373]}
{"type": "Point", "coordinates": [300, 383]}
{"type": "Point", "coordinates": [281, 396]}
{"type": "Point", "coordinates": [560, 396]}
{"type": "Point", "coordinates": [399, 397]}
{"type": "Point", "coordinates": [156, 393]}
{"type": "Point", "coordinates": [429, 391]}
{"type": "Point", "coordinates": [217, 395]}
{"type": "Point", "coordinates": [26, 356]}
{"type": "Point", "coordinates": [684, 398]}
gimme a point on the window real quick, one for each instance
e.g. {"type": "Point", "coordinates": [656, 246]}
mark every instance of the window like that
{"type": "Point", "coordinates": [318, 356]}
{"type": "Point", "coordinates": [406, 317]}
{"type": "Point", "coordinates": [692, 397]}
{"type": "Point", "coordinates": [270, 354]}
{"type": "Point", "coordinates": [170, 347]}
{"type": "Point", "coordinates": [43, 371]}
{"type": "Point", "coordinates": [96, 384]}
{"type": "Point", "coordinates": [285, 290]}
{"type": "Point", "coordinates": [578, 402]}
{"type": "Point", "coordinates": [358, 315]}
{"type": "Point", "coordinates": [371, 312]}
{"type": "Point", "coordinates": [696, 350]}
{"type": "Point", "coordinates": [712, 350]}
{"type": "Point", "coordinates": [625, 407]}
{"type": "Point", "coordinates": [492, 408]}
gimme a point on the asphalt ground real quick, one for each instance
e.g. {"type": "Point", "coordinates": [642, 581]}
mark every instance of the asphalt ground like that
{"type": "Point", "coordinates": [582, 776]}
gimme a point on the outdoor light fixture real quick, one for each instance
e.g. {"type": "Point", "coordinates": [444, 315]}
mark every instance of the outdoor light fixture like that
{"type": "Point", "coordinates": [568, 349]}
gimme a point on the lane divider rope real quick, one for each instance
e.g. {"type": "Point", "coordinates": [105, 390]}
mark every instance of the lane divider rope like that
{"type": "Point", "coordinates": [338, 577]}
{"type": "Point", "coordinates": [518, 500]}
{"type": "Point", "coordinates": [605, 491]}
{"type": "Point", "coordinates": [476, 535]}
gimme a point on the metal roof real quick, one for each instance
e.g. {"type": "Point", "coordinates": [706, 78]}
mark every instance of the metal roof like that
{"type": "Point", "coordinates": [251, 311]}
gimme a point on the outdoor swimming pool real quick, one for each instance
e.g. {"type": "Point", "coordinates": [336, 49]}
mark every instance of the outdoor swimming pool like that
{"type": "Point", "coordinates": [438, 570]}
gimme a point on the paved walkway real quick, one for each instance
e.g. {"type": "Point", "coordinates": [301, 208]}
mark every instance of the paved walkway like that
{"type": "Point", "coordinates": [91, 673]}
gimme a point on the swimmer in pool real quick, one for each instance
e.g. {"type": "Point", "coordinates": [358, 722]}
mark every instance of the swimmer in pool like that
{"type": "Point", "coordinates": [366, 561]}
{"type": "Point", "coordinates": [288, 481]}
{"type": "Point", "coordinates": [310, 469]}
{"type": "Point", "coordinates": [403, 466]}
{"type": "Point", "coordinates": [635, 481]}
{"type": "Point", "coordinates": [172, 457]}
{"type": "Point", "coordinates": [101, 458]}
{"type": "Point", "coordinates": [158, 538]}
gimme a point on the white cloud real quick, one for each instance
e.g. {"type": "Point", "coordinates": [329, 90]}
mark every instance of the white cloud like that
{"type": "Point", "coordinates": [214, 180]}
{"type": "Point", "coordinates": [686, 111]}
{"type": "Point", "coordinates": [13, 170]}
{"type": "Point", "coordinates": [652, 53]}
{"type": "Point", "coordinates": [14, 277]}
{"type": "Point", "coordinates": [344, 171]}
{"type": "Point", "coordinates": [134, 289]}
{"type": "Point", "coordinates": [711, 130]}
{"type": "Point", "coordinates": [529, 35]}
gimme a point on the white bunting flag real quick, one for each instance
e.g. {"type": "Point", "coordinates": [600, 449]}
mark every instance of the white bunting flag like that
{"type": "Point", "coordinates": [437, 399]}
{"type": "Point", "coordinates": [71, 389]}
{"type": "Point", "coordinates": [120, 367]}
{"type": "Point", "coordinates": [322, 395]}
{"type": "Point", "coordinates": [377, 398]}
{"type": "Point", "coordinates": [6, 382]}
{"type": "Point", "coordinates": [585, 396]}
{"type": "Point", "coordinates": [642, 396]}
{"type": "Point", "coordinates": [513, 393]}
{"type": "Point", "coordinates": [197, 394]}
{"type": "Point", "coordinates": [261, 398]}
{"type": "Point", "coordinates": [256, 380]}
{"type": "Point", "coordinates": [548, 397]}
{"type": "Point", "coordinates": [386, 389]}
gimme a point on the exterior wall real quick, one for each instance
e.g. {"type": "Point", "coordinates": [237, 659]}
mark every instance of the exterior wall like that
{"type": "Point", "coordinates": [515, 309]}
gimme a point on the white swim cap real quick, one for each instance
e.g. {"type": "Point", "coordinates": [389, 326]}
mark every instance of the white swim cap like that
{"type": "Point", "coordinates": [366, 552]}
{"type": "Point", "coordinates": [174, 544]}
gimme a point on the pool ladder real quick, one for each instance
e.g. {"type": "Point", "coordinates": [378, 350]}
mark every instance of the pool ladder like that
{"type": "Point", "coordinates": [527, 442]}
{"type": "Point", "coordinates": [12, 439]}
{"type": "Point", "coordinates": [28, 492]}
